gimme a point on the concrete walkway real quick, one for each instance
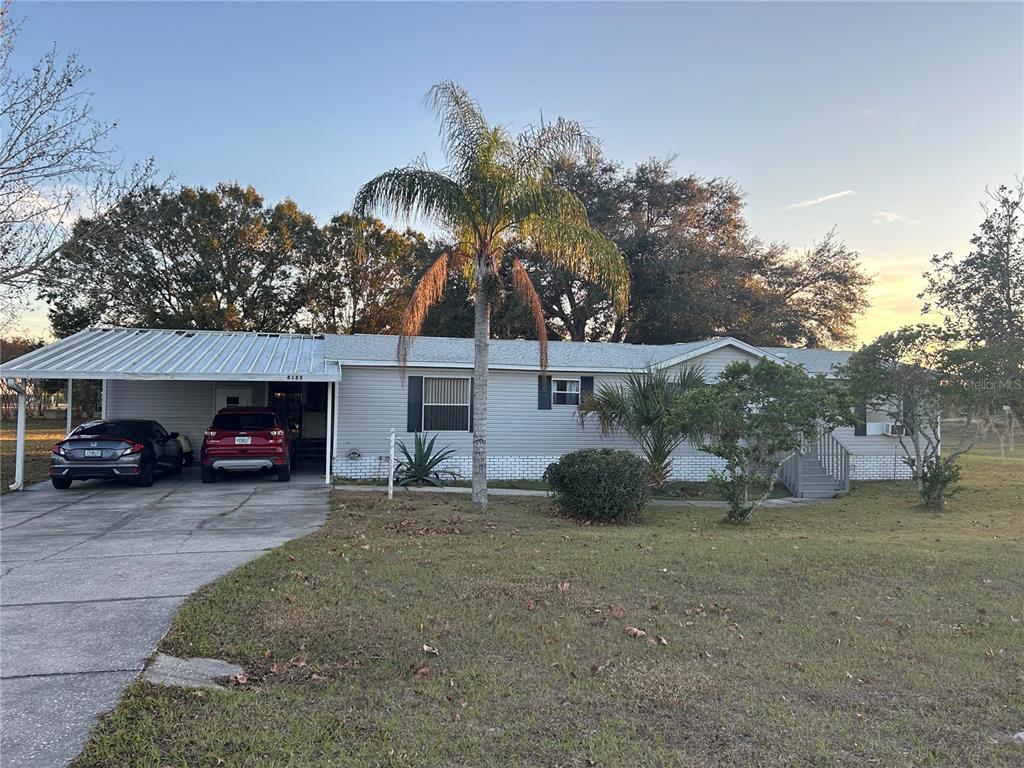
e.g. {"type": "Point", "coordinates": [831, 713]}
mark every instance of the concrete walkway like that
{"type": "Point", "coordinates": [89, 580]}
{"type": "Point", "coordinates": [788, 501]}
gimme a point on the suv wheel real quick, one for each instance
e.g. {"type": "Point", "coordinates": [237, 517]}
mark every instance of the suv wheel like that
{"type": "Point", "coordinates": [284, 473]}
{"type": "Point", "coordinates": [207, 474]}
{"type": "Point", "coordinates": [61, 483]}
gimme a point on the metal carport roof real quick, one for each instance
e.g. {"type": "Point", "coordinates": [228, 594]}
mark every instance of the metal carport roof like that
{"type": "Point", "coordinates": [141, 353]}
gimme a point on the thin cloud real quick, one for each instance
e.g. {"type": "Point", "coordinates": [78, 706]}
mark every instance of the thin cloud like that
{"type": "Point", "coordinates": [888, 217]}
{"type": "Point", "coordinates": [818, 200]}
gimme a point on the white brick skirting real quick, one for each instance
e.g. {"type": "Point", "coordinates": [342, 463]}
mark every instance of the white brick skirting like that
{"type": "Point", "coordinates": [878, 467]}
{"type": "Point", "coordinates": [695, 468]}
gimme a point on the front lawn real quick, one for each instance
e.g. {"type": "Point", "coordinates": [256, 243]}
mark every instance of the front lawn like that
{"type": "Point", "coordinates": [40, 435]}
{"type": "Point", "coordinates": [859, 632]}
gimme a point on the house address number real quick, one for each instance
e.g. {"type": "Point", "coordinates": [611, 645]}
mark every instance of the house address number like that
{"type": "Point", "coordinates": [293, 377]}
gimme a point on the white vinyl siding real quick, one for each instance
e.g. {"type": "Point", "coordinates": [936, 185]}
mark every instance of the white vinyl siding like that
{"type": "Point", "coordinates": [445, 404]}
{"type": "Point", "coordinates": [186, 407]}
{"type": "Point", "coordinates": [372, 401]}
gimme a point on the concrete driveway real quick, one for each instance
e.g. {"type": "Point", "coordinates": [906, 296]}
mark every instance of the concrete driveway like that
{"type": "Point", "coordinates": [89, 580]}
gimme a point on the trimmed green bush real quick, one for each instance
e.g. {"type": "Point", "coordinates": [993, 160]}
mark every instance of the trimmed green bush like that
{"type": "Point", "coordinates": [600, 484]}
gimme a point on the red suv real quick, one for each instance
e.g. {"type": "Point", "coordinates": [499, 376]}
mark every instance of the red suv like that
{"type": "Point", "coordinates": [247, 438]}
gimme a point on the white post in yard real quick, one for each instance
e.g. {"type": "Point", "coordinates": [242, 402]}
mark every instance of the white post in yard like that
{"type": "Point", "coordinates": [391, 468]}
{"type": "Point", "coordinates": [19, 451]}
{"type": "Point", "coordinates": [68, 431]}
{"type": "Point", "coordinates": [330, 432]}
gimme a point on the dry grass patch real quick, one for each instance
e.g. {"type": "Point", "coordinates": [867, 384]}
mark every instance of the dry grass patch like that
{"type": "Point", "coordinates": [422, 633]}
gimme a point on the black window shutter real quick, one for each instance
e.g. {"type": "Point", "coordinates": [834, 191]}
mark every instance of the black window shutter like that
{"type": "Point", "coordinates": [470, 405]}
{"type": "Point", "coordinates": [414, 417]}
{"type": "Point", "coordinates": [860, 429]}
{"type": "Point", "coordinates": [586, 385]}
{"type": "Point", "coordinates": [544, 393]}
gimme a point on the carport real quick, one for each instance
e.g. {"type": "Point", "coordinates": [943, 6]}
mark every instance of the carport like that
{"type": "Point", "coordinates": [182, 377]}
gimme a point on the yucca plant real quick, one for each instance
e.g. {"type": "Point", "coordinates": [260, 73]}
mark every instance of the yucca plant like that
{"type": "Point", "coordinates": [498, 189]}
{"type": "Point", "coordinates": [641, 406]}
{"type": "Point", "coordinates": [421, 465]}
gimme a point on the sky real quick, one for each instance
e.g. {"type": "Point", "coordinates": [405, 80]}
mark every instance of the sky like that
{"type": "Point", "coordinates": [886, 121]}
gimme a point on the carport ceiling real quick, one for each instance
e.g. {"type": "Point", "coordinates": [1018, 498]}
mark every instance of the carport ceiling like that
{"type": "Point", "coordinates": [139, 353]}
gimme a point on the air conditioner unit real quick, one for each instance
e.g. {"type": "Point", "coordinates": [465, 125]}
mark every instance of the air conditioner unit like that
{"type": "Point", "coordinates": [894, 429]}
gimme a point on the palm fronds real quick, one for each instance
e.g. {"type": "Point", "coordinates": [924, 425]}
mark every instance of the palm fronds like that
{"type": "Point", "coordinates": [413, 191]}
{"type": "Point", "coordinates": [524, 289]}
{"type": "Point", "coordinates": [641, 406]}
{"type": "Point", "coordinates": [428, 292]}
{"type": "Point", "coordinates": [581, 251]}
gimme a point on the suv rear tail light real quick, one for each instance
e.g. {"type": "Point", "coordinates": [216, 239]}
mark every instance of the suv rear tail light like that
{"type": "Point", "coordinates": [133, 448]}
{"type": "Point", "coordinates": [277, 435]}
{"type": "Point", "coordinates": [58, 449]}
{"type": "Point", "coordinates": [211, 433]}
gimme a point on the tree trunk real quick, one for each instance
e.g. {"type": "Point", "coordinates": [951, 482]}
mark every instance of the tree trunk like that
{"type": "Point", "coordinates": [481, 354]}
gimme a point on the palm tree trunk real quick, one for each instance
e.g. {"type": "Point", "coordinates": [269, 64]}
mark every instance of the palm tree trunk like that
{"type": "Point", "coordinates": [481, 355]}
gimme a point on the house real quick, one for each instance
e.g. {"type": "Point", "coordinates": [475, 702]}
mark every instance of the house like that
{"type": "Point", "coordinates": [344, 394]}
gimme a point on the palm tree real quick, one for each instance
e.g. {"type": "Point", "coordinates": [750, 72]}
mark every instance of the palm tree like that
{"type": "Point", "coordinates": [496, 189]}
{"type": "Point", "coordinates": [641, 406]}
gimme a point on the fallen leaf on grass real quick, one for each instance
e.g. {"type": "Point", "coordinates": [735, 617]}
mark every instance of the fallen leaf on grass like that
{"type": "Point", "coordinates": [299, 659]}
{"type": "Point", "coordinates": [618, 611]}
{"type": "Point", "coordinates": [420, 670]}
{"type": "Point", "coordinates": [318, 678]}
{"type": "Point", "coordinates": [660, 640]}
{"type": "Point", "coordinates": [289, 597]}
{"type": "Point", "coordinates": [430, 649]}
{"type": "Point", "coordinates": [635, 632]}
{"type": "Point", "coordinates": [240, 679]}
{"type": "Point", "coordinates": [597, 669]}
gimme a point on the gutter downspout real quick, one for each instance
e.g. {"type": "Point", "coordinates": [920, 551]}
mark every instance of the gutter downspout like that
{"type": "Point", "coordinates": [19, 456]}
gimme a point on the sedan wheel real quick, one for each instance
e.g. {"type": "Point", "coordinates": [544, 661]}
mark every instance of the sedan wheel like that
{"type": "Point", "coordinates": [147, 474]}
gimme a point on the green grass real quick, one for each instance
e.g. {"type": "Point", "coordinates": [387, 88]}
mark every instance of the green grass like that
{"type": "Point", "coordinates": [40, 435]}
{"type": "Point", "coordinates": [860, 632]}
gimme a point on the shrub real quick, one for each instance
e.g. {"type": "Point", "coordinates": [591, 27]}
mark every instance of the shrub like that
{"type": "Point", "coordinates": [939, 476]}
{"type": "Point", "coordinates": [600, 484]}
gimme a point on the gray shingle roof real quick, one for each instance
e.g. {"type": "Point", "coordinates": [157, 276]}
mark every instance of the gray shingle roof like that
{"type": "Point", "coordinates": [813, 360]}
{"type": "Point", "coordinates": [366, 349]}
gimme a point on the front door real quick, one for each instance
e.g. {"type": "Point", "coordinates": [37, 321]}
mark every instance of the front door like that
{"type": "Point", "coordinates": [234, 397]}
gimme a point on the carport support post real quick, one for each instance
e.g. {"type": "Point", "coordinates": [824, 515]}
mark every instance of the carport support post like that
{"type": "Point", "coordinates": [330, 431]}
{"type": "Point", "coordinates": [69, 406]}
{"type": "Point", "coordinates": [19, 452]}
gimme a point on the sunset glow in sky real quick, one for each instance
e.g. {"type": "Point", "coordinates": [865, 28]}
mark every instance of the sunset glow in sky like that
{"type": "Point", "coordinates": [884, 121]}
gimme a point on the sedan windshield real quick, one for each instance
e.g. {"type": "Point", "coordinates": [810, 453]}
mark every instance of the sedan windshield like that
{"type": "Point", "coordinates": [132, 429]}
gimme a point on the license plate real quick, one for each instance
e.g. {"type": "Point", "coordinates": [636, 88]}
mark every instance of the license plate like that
{"type": "Point", "coordinates": [243, 440]}
{"type": "Point", "coordinates": [93, 453]}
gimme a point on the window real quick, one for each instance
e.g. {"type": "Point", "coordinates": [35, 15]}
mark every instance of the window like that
{"type": "Point", "coordinates": [566, 392]}
{"type": "Point", "coordinates": [445, 405]}
{"type": "Point", "coordinates": [244, 422]}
